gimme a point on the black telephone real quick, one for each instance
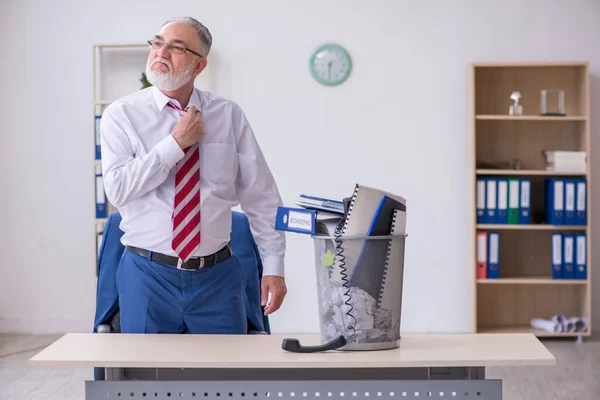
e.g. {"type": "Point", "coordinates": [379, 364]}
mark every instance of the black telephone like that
{"type": "Point", "coordinates": [294, 345]}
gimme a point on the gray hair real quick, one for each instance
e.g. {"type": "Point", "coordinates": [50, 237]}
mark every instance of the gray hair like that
{"type": "Point", "coordinates": [203, 32]}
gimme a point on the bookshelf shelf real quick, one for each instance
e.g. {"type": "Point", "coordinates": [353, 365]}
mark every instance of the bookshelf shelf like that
{"type": "Point", "coordinates": [528, 329]}
{"type": "Point", "coordinates": [531, 227]}
{"type": "Point", "coordinates": [525, 288]}
{"type": "Point", "coordinates": [532, 281]}
{"type": "Point", "coordinates": [524, 172]}
{"type": "Point", "coordinates": [528, 118]}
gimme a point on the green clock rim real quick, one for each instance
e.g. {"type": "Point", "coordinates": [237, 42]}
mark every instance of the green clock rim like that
{"type": "Point", "coordinates": [346, 73]}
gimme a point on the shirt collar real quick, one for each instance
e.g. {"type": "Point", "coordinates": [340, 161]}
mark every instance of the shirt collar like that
{"type": "Point", "coordinates": [162, 99]}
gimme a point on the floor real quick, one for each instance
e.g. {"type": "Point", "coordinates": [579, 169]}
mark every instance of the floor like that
{"type": "Point", "coordinates": [576, 375]}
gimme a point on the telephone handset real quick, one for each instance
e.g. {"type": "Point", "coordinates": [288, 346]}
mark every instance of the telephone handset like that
{"type": "Point", "coordinates": [293, 345]}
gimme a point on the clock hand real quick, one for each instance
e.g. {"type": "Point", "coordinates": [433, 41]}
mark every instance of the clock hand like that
{"type": "Point", "coordinates": [329, 68]}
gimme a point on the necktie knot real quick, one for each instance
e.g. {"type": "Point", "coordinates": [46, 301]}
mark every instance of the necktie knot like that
{"type": "Point", "coordinates": [176, 107]}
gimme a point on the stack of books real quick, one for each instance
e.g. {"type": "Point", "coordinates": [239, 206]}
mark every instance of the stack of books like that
{"type": "Point", "coordinates": [566, 161]}
{"type": "Point", "coordinates": [322, 205]}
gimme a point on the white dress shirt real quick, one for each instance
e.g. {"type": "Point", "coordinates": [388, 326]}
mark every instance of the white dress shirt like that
{"type": "Point", "coordinates": [138, 159]}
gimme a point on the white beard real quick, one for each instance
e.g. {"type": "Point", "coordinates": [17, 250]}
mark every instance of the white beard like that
{"type": "Point", "coordinates": [167, 80]}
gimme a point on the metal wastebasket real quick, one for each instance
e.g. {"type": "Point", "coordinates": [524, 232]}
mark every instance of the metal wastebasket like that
{"type": "Point", "coordinates": [359, 281]}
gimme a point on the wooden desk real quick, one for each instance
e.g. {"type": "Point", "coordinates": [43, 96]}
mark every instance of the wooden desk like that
{"type": "Point", "coordinates": [255, 366]}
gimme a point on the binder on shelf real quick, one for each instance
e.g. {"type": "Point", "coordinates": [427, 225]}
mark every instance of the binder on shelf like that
{"type": "Point", "coordinates": [555, 197]}
{"type": "Point", "coordinates": [568, 271]}
{"type": "Point", "coordinates": [480, 200]}
{"type": "Point", "coordinates": [580, 202]}
{"type": "Point", "coordinates": [97, 136]}
{"type": "Point", "coordinates": [580, 256]}
{"type": "Point", "coordinates": [482, 250]}
{"type": "Point", "coordinates": [493, 271]}
{"type": "Point", "coordinates": [557, 258]}
{"type": "Point", "coordinates": [502, 213]}
{"type": "Point", "coordinates": [569, 202]}
{"type": "Point", "coordinates": [101, 201]}
{"type": "Point", "coordinates": [513, 201]}
{"type": "Point", "coordinates": [491, 201]}
{"type": "Point", "coordinates": [525, 203]}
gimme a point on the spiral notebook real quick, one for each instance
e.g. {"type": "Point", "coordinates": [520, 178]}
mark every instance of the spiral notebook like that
{"type": "Point", "coordinates": [369, 213]}
{"type": "Point", "coordinates": [393, 275]}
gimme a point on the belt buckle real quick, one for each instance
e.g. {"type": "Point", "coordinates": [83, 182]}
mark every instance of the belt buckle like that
{"type": "Point", "coordinates": [180, 264]}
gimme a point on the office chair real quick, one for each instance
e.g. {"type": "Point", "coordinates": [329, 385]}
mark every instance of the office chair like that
{"type": "Point", "coordinates": [107, 315]}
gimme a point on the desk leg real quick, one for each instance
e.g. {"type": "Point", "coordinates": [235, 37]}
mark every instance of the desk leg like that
{"type": "Point", "coordinates": [114, 374]}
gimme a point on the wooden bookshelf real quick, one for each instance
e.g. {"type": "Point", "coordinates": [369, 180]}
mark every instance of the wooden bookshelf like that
{"type": "Point", "coordinates": [525, 288]}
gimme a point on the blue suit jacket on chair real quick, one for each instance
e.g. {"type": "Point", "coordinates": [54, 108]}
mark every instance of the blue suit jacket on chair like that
{"type": "Point", "coordinates": [244, 248]}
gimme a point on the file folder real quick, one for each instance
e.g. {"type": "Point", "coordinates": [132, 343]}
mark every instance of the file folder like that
{"type": "Point", "coordinates": [525, 204]}
{"type": "Point", "coordinates": [513, 201]}
{"type": "Point", "coordinates": [580, 256]}
{"type": "Point", "coordinates": [581, 202]}
{"type": "Point", "coordinates": [569, 202]}
{"type": "Point", "coordinates": [491, 200]}
{"type": "Point", "coordinates": [557, 259]}
{"type": "Point", "coordinates": [555, 201]}
{"type": "Point", "coordinates": [101, 201]}
{"type": "Point", "coordinates": [97, 136]}
{"type": "Point", "coordinates": [298, 220]}
{"type": "Point", "coordinates": [568, 259]}
{"type": "Point", "coordinates": [493, 271]}
{"type": "Point", "coordinates": [480, 201]}
{"type": "Point", "coordinates": [482, 250]}
{"type": "Point", "coordinates": [502, 214]}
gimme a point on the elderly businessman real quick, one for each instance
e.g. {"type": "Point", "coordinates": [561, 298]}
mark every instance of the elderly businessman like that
{"type": "Point", "coordinates": [175, 161]}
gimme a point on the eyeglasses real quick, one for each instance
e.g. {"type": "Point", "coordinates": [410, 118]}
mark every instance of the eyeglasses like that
{"type": "Point", "coordinates": [173, 48]}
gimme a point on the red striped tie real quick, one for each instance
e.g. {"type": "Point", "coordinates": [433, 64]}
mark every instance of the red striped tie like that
{"type": "Point", "coordinates": [186, 207]}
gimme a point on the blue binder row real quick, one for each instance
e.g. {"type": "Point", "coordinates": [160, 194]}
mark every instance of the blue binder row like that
{"type": "Point", "coordinates": [503, 200]}
{"type": "Point", "coordinates": [569, 251]}
{"type": "Point", "coordinates": [565, 201]}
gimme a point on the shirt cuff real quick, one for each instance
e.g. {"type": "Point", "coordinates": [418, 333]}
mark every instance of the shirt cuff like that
{"type": "Point", "coordinates": [273, 265]}
{"type": "Point", "coordinates": [169, 151]}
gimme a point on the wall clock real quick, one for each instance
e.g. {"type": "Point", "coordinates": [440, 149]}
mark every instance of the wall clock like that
{"type": "Point", "coordinates": [330, 64]}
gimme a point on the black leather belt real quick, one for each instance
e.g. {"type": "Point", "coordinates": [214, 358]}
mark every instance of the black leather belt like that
{"type": "Point", "coordinates": [192, 264]}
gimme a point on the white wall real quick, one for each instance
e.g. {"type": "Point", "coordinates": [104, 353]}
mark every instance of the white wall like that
{"type": "Point", "coordinates": [399, 123]}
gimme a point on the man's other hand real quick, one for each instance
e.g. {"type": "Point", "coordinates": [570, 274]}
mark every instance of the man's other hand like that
{"type": "Point", "coordinates": [275, 285]}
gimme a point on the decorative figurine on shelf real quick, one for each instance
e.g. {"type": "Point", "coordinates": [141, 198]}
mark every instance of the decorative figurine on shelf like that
{"type": "Point", "coordinates": [559, 96]}
{"type": "Point", "coordinates": [145, 82]}
{"type": "Point", "coordinates": [516, 108]}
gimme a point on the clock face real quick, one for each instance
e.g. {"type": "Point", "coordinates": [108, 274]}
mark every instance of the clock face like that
{"type": "Point", "coordinates": [330, 64]}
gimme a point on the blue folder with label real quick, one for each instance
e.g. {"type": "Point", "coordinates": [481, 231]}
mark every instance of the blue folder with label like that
{"type": "Point", "coordinates": [555, 199]}
{"type": "Point", "coordinates": [580, 256]}
{"type": "Point", "coordinates": [493, 271]}
{"type": "Point", "coordinates": [299, 220]}
{"type": "Point", "coordinates": [580, 202]}
{"type": "Point", "coordinates": [568, 268]}
{"type": "Point", "coordinates": [557, 257]}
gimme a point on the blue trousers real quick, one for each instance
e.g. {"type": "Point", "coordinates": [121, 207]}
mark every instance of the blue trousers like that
{"type": "Point", "coordinates": [159, 298]}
